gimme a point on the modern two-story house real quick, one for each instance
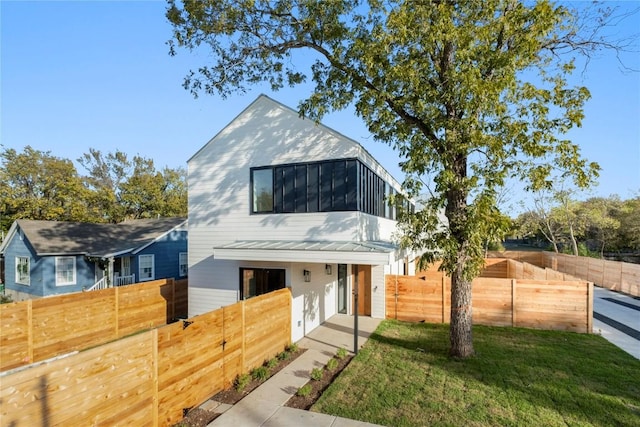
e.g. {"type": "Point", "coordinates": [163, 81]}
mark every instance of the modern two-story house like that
{"type": "Point", "coordinates": [278, 201]}
{"type": "Point", "coordinates": [44, 258]}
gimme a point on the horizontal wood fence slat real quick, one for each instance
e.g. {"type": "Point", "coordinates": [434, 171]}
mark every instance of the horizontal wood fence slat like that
{"type": "Point", "coordinates": [149, 378]}
{"type": "Point", "coordinates": [38, 329]}
{"type": "Point", "coordinates": [528, 297]}
{"type": "Point", "coordinates": [615, 275]}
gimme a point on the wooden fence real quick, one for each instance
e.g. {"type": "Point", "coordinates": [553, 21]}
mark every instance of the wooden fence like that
{"type": "Point", "coordinates": [615, 275]}
{"type": "Point", "coordinates": [520, 300]}
{"type": "Point", "coordinates": [35, 330]}
{"type": "Point", "coordinates": [148, 379]}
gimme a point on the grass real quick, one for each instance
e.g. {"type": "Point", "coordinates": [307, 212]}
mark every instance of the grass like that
{"type": "Point", "coordinates": [519, 377]}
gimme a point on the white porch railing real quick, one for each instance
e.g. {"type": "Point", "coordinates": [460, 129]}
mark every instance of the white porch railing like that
{"type": "Point", "coordinates": [117, 281]}
{"type": "Point", "coordinates": [124, 280]}
{"type": "Point", "coordinates": [100, 284]}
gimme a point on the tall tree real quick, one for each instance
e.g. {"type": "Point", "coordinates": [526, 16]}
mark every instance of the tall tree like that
{"type": "Point", "coordinates": [629, 230]}
{"type": "Point", "coordinates": [600, 216]}
{"type": "Point", "coordinates": [36, 185]}
{"type": "Point", "coordinates": [125, 188]}
{"type": "Point", "coordinates": [107, 173]}
{"type": "Point", "coordinates": [472, 92]}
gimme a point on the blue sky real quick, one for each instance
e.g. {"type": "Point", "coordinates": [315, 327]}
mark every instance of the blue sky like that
{"type": "Point", "coordinates": [80, 75]}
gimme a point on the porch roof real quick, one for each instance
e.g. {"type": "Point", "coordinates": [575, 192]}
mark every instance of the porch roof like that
{"type": "Point", "coordinates": [340, 252]}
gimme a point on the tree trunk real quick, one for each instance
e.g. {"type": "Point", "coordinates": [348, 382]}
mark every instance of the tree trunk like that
{"type": "Point", "coordinates": [574, 244]}
{"type": "Point", "coordinates": [461, 333]}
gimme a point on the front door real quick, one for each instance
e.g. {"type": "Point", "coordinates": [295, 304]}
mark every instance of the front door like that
{"type": "Point", "coordinates": [362, 283]}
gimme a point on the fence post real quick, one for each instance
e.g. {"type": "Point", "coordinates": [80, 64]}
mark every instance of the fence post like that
{"type": "Point", "coordinates": [244, 336]}
{"type": "Point", "coordinates": [116, 291]}
{"type": "Point", "coordinates": [514, 319]}
{"type": "Point", "coordinates": [172, 311]}
{"type": "Point", "coordinates": [30, 331]}
{"type": "Point", "coordinates": [156, 400]}
{"type": "Point", "coordinates": [589, 307]}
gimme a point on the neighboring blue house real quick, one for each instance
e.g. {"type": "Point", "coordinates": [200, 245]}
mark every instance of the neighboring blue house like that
{"type": "Point", "coordinates": [45, 258]}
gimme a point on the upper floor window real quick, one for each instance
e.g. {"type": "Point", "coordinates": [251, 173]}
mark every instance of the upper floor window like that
{"type": "Point", "coordinates": [146, 268]}
{"type": "Point", "coordinates": [326, 186]}
{"type": "Point", "coordinates": [262, 190]}
{"type": "Point", "coordinates": [23, 270]}
{"type": "Point", "coordinates": [65, 270]}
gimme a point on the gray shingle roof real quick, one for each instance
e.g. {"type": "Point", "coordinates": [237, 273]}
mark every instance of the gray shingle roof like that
{"type": "Point", "coordinates": [59, 237]}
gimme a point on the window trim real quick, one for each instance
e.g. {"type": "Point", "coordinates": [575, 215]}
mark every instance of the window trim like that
{"type": "Point", "coordinates": [75, 275]}
{"type": "Point", "coordinates": [17, 273]}
{"type": "Point", "coordinates": [142, 277]}
{"type": "Point", "coordinates": [251, 195]}
{"type": "Point", "coordinates": [181, 264]}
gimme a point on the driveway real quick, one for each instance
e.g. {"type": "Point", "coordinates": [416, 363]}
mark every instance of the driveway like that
{"type": "Point", "coordinates": [617, 318]}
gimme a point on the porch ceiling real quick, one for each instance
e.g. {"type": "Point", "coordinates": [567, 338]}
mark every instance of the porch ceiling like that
{"type": "Point", "coordinates": [369, 252]}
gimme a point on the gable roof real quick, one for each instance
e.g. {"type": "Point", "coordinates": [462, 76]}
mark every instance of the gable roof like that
{"type": "Point", "coordinates": [101, 240]}
{"type": "Point", "coordinates": [265, 101]}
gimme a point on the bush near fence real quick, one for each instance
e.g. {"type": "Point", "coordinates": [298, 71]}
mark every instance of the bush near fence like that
{"type": "Point", "coordinates": [525, 296]}
{"type": "Point", "coordinates": [615, 275]}
{"type": "Point", "coordinates": [35, 330]}
{"type": "Point", "coordinates": [148, 379]}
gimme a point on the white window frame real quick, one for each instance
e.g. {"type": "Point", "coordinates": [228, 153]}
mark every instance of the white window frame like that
{"type": "Point", "coordinates": [19, 279]}
{"type": "Point", "coordinates": [144, 276]}
{"type": "Point", "coordinates": [58, 270]}
{"type": "Point", "coordinates": [183, 264]}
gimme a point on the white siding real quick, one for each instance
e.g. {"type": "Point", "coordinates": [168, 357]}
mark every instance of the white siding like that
{"type": "Point", "coordinates": [314, 301]}
{"type": "Point", "coordinates": [267, 133]}
{"type": "Point", "coordinates": [218, 285]}
{"type": "Point", "coordinates": [377, 292]}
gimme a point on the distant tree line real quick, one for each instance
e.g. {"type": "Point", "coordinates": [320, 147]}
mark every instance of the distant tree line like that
{"type": "Point", "coordinates": [114, 187]}
{"type": "Point", "coordinates": [592, 227]}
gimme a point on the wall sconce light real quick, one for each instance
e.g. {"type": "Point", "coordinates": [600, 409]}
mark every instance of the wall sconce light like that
{"type": "Point", "coordinates": [307, 275]}
{"type": "Point", "coordinates": [327, 269]}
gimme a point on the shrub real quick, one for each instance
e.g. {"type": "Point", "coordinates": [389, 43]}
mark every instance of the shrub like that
{"type": "Point", "coordinates": [284, 355]}
{"type": "Point", "coordinates": [332, 364]}
{"type": "Point", "coordinates": [304, 391]}
{"type": "Point", "coordinates": [316, 374]}
{"type": "Point", "coordinates": [261, 373]}
{"type": "Point", "coordinates": [241, 382]}
{"type": "Point", "coordinates": [341, 353]}
{"type": "Point", "coordinates": [292, 348]}
{"type": "Point", "coordinates": [271, 363]}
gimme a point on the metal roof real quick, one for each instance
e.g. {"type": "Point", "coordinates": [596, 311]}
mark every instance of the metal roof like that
{"type": "Point", "coordinates": [356, 252]}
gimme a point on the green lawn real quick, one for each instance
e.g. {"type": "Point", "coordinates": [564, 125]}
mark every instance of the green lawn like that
{"type": "Point", "coordinates": [519, 377]}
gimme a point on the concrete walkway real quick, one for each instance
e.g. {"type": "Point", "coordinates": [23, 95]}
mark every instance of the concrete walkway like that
{"type": "Point", "coordinates": [264, 405]}
{"type": "Point", "coordinates": [616, 317]}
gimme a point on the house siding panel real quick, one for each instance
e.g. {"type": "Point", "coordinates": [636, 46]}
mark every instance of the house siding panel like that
{"type": "Point", "coordinates": [377, 292]}
{"type": "Point", "coordinates": [85, 275]}
{"type": "Point", "coordinates": [265, 134]}
{"type": "Point", "coordinates": [20, 247]}
{"type": "Point", "coordinates": [166, 255]}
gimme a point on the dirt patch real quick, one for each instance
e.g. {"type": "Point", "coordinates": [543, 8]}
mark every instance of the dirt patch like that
{"type": "Point", "coordinates": [198, 417]}
{"type": "Point", "coordinates": [318, 386]}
